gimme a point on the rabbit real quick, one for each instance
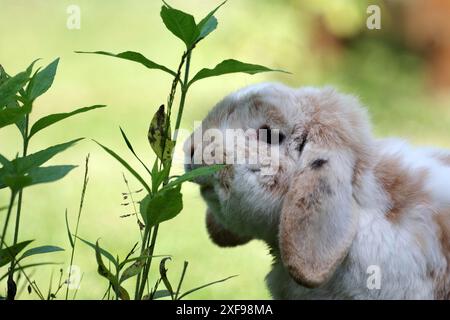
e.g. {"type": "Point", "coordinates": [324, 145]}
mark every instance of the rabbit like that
{"type": "Point", "coordinates": [345, 215]}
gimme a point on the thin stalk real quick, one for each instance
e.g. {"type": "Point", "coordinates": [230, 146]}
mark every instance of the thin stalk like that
{"type": "Point", "coordinates": [8, 215]}
{"type": "Point", "coordinates": [147, 233]}
{"type": "Point", "coordinates": [183, 273]}
{"type": "Point", "coordinates": [149, 263]}
{"type": "Point", "coordinates": [20, 199]}
{"type": "Point", "coordinates": [19, 204]}
{"type": "Point", "coordinates": [80, 210]}
{"type": "Point", "coordinates": [184, 90]}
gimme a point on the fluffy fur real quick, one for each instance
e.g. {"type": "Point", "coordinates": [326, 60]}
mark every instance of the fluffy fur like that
{"type": "Point", "coordinates": [340, 202]}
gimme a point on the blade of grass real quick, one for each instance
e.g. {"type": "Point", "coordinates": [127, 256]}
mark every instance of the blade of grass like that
{"type": "Point", "coordinates": [80, 210]}
{"type": "Point", "coordinates": [204, 286]}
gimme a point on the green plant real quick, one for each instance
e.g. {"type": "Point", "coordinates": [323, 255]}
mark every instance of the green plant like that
{"type": "Point", "coordinates": [163, 199]}
{"type": "Point", "coordinates": [17, 96]}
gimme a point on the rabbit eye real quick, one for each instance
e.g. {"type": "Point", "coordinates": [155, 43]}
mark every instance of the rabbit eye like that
{"type": "Point", "coordinates": [265, 134]}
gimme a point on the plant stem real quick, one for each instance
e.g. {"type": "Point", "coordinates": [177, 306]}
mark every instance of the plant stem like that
{"type": "Point", "coordinates": [149, 262]}
{"type": "Point", "coordinates": [19, 203]}
{"type": "Point", "coordinates": [184, 90]}
{"type": "Point", "coordinates": [8, 215]}
{"type": "Point", "coordinates": [147, 233]}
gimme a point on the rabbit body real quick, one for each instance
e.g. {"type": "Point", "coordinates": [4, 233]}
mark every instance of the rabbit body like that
{"type": "Point", "coordinates": [346, 216]}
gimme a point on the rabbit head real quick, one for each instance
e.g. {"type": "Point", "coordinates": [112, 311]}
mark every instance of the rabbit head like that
{"type": "Point", "coordinates": [299, 194]}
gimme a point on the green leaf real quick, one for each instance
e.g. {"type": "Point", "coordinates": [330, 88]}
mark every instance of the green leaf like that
{"type": "Point", "coordinates": [158, 177]}
{"type": "Point", "coordinates": [135, 57]}
{"type": "Point", "coordinates": [35, 176]}
{"type": "Point", "coordinates": [42, 81]}
{"type": "Point", "coordinates": [181, 24]}
{"type": "Point", "coordinates": [14, 181]}
{"type": "Point", "coordinates": [104, 272]}
{"type": "Point", "coordinates": [208, 23]}
{"type": "Point", "coordinates": [40, 250]}
{"type": "Point", "coordinates": [48, 174]}
{"type": "Point", "coordinates": [164, 205]}
{"type": "Point", "coordinates": [9, 253]}
{"type": "Point", "coordinates": [161, 294]}
{"type": "Point", "coordinates": [163, 148]}
{"type": "Point", "coordinates": [231, 66]}
{"type": "Point", "coordinates": [130, 146]}
{"type": "Point", "coordinates": [164, 278]}
{"type": "Point", "coordinates": [105, 253]}
{"type": "Point", "coordinates": [10, 87]}
{"type": "Point", "coordinates": [11, 115]}
{"type": "Point", "coordinates": [34, 160]}
{"type": "Point", "coordinates": [69, 233]}
{"type": "Point", "coordinates": [133, 270]}
{"type": "Point", "coordinates": [4, 161]}
{"type": "Point", "coordinates": [204, 286]}
{"type": "Point", "coordinates": [145, 256]}
{"type": "Point", "coordinates": [198, 172]}
{"type": "Point", "coordinates": [126, 165]}
{"type": "Point", "coordinates": [53, 118]}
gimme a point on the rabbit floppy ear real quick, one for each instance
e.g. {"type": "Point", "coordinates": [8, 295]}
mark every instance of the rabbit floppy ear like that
{"type": "Point", "coordinates": [220, 235]}
{"type": "Point", "coordinates": [318, 223]}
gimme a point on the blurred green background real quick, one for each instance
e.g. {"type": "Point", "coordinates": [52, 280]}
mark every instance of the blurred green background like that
{"type": "Point", "coordinates": [401, 73]}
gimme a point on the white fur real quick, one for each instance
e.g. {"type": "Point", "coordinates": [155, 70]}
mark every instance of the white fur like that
{"type": "Point", "coordinates": [249, 209]}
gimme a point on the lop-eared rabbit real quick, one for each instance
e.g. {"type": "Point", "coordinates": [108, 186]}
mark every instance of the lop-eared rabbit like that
{"type": "Point", "coordinates": [346, 215]}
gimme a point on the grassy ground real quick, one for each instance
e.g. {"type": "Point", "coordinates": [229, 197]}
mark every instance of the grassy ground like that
{"type": "Point", "coordinates": [388, 81]}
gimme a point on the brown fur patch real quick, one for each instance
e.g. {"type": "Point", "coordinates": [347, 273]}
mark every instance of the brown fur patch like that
{"type": "Point", "coordinates": [404, 188]}
{"type": "Point", "coordinates": [444, 158]}
{"type": "Point", "coordinates": [338, 121]}
{"type": "Point", "coordinates": [442, 280]}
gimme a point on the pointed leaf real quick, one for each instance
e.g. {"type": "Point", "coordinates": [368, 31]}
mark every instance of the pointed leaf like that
{"type": "Point", "coordinates": [34, 160]}
{"type": "Point", "coordinates": [40, 250]}
{"type": "Point", "coordinates": [163, 274]}
{"type": "Point", "coordinates": [48, 174]}
{"type": "Point", "coordinates": [8, 254]}
{"type": "Point", "coordinates": [11, 115]}
{"type": "Point", "coordinates": [126, 165]}
{"type": "Point", "coordinates": [42, 80]}
{"type": "Point", "coordinates": [104, 272]}
{"type": "Point", "coordinates": [135, 57]}
{"type": "Point", "coordinates": [204, 286]}
{"type": "Point", "coordinates": [198, 172]}
{"type": "Point", "coordinates": [105, 253]}
{"type": "Point", "coordinates": [161, 294]}
{"type": "Point", "coordinates": [53, 118]}
{"type": "Point", "coordinates": [181, 24]}
{"type": "Point", "coordinates": [208, 23]}
{"type": "Point", "coordinates": [164, 205]}
{"type": "Point", "coordinates": [133, 270]}
{"type": "Point", "coordinates": [231, 66]}
{"type": "Point", "coordinates": [10, 87]}
{"type": "Point", "coordinates": [69, 233]}
{"type": "Point", "coordinates": [130, 146]}
{"type": "Point", "coordinates": [159, 139]}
